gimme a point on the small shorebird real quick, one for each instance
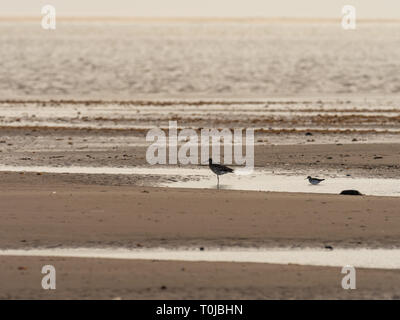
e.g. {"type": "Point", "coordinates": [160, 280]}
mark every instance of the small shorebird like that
{"type": "Point", "coordinates": [314, 181]}
{"type": "Point", "coordinates": [218, 169]}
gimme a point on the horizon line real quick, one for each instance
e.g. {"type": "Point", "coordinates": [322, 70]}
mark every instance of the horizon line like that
{"type": "Point", "coordinates": [253, 19]}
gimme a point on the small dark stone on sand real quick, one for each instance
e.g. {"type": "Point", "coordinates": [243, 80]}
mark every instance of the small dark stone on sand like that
{"type": "Point", "coordinates": [201, 249]}
{"type": "Point", "coordinates": [308, 134]}
{"type": "Point", "coordinates": [329, 247]}
{"type": "Point", "coordinates": [351, 192]}
{"type": "Point", "coordinates": [163, 287]}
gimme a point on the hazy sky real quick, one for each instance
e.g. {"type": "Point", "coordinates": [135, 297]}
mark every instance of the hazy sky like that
{"type": "Point", "coordinates": [388, 9]}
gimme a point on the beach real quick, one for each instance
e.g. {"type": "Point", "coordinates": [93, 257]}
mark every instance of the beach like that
{"type": "Point", "coordinates": [70, 178]}
{"type": "Point", "coordinates": [40, 211]}
{"type": "Point", "coordinates": [43, 209]}
{"type": "Point", "coordinates": [75, 117]}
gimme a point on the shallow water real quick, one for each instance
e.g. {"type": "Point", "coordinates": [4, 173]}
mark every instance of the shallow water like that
{"type": "Point", "coordinates": [266, 181]}
{"type": "Point", "coordinates": [365, 258]}
{"type": "Point", "coordinates": [107, 170]}
{"type": "Point", "coordinates": [259, 180]}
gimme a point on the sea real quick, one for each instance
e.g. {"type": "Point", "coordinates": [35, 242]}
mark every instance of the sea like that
{"type": "Point", "coordinates": [128, 59]}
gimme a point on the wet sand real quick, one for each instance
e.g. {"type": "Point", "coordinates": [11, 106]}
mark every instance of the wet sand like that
{"type": "Point", "coordinates": [80, 214]}
{"type": "Point", "coordinates": [38, 210]}
{"type": "Point", "coordinates": [79, 278]}
{"type": "Point", "coordinates": [357, 159]}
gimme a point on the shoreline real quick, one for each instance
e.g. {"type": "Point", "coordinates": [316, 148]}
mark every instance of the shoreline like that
{"type": "Point", "coordinates": [197, 19]}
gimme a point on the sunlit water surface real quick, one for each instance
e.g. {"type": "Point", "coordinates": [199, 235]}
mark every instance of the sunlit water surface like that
{"type": "Point", "coordinates": [365, 258]}
{"type": "Point", "coordinates": [259, 180]}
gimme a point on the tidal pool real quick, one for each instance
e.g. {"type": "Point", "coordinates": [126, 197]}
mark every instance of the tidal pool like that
{"type": "Point", "coordinates": [363, 258]}
{"type": "Point", "coordinates": [258, 180]}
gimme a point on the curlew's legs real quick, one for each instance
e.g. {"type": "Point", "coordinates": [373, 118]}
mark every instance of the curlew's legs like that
{"type": "Point", "coordinates": [218, 181]}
